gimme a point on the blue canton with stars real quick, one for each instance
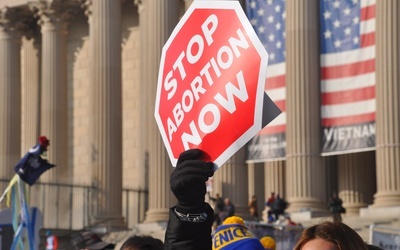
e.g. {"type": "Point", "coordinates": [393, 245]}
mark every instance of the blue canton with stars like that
{"type": "Point", "coordinates": [340, 25]}
{"type": "Point", "coordinates": [268, 20]}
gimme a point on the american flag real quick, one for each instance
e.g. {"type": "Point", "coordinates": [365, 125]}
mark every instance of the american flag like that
{"type": "Point", "coordinates": [268, 20]}
{"type": "Point", "coordinates": [347, 62]}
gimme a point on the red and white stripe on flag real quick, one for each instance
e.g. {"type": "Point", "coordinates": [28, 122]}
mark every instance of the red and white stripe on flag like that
{"type": "Point", "coordinates": [348, 77]}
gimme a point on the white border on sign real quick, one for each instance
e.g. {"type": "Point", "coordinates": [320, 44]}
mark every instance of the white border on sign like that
{"type": "Point", "coordinates": [257, 125]}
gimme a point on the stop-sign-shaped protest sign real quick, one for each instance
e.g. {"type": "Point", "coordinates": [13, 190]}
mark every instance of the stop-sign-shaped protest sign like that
{"type": "Point", "coordinates": [211, 82]}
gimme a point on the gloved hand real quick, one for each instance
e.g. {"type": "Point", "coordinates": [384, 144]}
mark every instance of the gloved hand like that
{"type": "Point", "coordinates": [188, 180]}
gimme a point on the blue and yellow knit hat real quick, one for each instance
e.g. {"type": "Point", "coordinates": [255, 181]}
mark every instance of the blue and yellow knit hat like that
{"type": "Point", "coordinates": [234, 235]}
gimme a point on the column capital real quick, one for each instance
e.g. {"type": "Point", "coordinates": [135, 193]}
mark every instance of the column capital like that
{"type": "Point", "coordinates": [10, 19]}
{"type": "Point", "coordinates": [18, 21]}
{"type": "Point", "coordinates": [7, 16]}
{"type": "Point", "coordinates": [29, 24]}
{"type": "Point", "coordinates": [54, 11]}
{"type": "Point", "coordinates": [139, 4]}
{"type": "Point", "coordinates": [30, 29]}
{"type": "Point", "coordinates": [86, 5]}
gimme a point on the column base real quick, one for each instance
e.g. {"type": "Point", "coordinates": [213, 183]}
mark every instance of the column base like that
{"type": "Point", "coordinates": [307, 215]}
{"type": "Point", "coordinates": [306, 205]}
{"type": "Point", "coordinates": [380, 212]}
{"type": "Point", "coordinates": [354, 208]}
{"type": "Point", "coordinates": [157, 215]}
{"type": "Point", "coordinates": [387, 199]}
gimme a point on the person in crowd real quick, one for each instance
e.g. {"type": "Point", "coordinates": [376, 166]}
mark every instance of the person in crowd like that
{"type": "Point", "coordinates": [268, 206]}
{"type": "Point", "coordinates": [190, 220]}
{"type": "Point", "coordinates": [336, 208]}
{"type": "Point", "coordinates": [278, 207]}
{"type": "Point", "coordinates": [51, 241]}
{"type": "Point", "coordinates": [330, 236]}
{"type": "Point", "coordinates": [290, 222]}
{"type": "Point", "coordinates": [142, 243]}
{"type": "Point", "coordinates": [228, 211]}
{"type": "Point", "coordinates": [253, 207]}
{"type": "Point", "coordinates": [233, 234]}
{"type": "Point", "coordinates": [218, 207]}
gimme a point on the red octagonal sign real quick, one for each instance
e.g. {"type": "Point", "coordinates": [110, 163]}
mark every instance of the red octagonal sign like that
{"type": "Point", "coordinates": [211, 82]}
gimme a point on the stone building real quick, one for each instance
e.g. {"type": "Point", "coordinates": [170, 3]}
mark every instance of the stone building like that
{"type": "Point", "coordinates": [84, 73]}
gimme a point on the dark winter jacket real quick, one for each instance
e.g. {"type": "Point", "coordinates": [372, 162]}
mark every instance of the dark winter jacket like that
{"type": "Point", "coordinates": [186, 235]}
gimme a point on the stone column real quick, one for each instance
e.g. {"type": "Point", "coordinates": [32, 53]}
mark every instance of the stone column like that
{"type": "Point", "coordinates": [30, 92]}
{"type": "Point", "coordinates": [256, 185]}
{"type": "Point", "coordinates": [387, 103]}
{"type": "Point", "coordinates": [305, 170]}
{"type": "Point", "coordinates": [10, 93]}
{"type": "Point", "coordinates": [106, 106]}
{"type": "Point", "coordinates": [53, 19]}
{"type": "Point", "coordinates": [54, 108]}
{"type": "Point", "coordinates": [144, 72]}
{"type": "Point", "coordinates": [274, 177]}
{"type": "Point", "coordinates": [274, 181]}
{"type": "Point", "coordinates": [157, 20]}
{"type": "Point", "coordinates": [331, 175]}
{"type": "Point", "coordinates": [30, 101]}
{"type": "Point", "coordinates": [231, 181]}
{"type": "Point", "coordinates": [356, 180]}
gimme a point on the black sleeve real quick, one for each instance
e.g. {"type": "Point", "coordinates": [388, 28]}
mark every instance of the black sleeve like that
{"type": "Point", "coordinates": [189, 235]}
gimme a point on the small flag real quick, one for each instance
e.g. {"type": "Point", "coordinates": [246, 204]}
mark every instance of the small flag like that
{"type": "Point", "coordinates": [32, 165]}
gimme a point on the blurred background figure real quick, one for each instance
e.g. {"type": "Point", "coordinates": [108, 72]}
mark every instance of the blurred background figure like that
{"type": "Point", "coordinates": [218, 207]}
{"type": "Point", "coordinates": [336, 208]}
{"type": "Point", "coordinates": [289, 222]}
{"type": "Point", "coordinates": [278, 207]}
{"type": "Point", "coordinates": [51, 241]}
{"type": "Point", "coordinates": [268, 206]}
{"type": "Point", "coordinates": [253, 208]}
{"type": "Point", "coordinates": [228, 210]}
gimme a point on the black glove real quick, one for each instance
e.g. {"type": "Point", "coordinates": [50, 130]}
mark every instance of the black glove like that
{"type": "Point", "coordinates": [188, 180]}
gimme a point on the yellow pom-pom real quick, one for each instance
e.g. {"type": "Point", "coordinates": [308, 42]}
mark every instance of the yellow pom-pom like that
{"type": "Point", "coordinates": [233, 220]}
{"type": "Point", "coordinates": [268, 243]}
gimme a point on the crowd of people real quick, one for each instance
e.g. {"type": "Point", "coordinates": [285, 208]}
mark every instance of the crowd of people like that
{"type": "Point", "coordinates": [191, 219]}
{"type": "Point", "coordinates": [276, 207]}
{"type": "Point", "coordinates": [223, 208]}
